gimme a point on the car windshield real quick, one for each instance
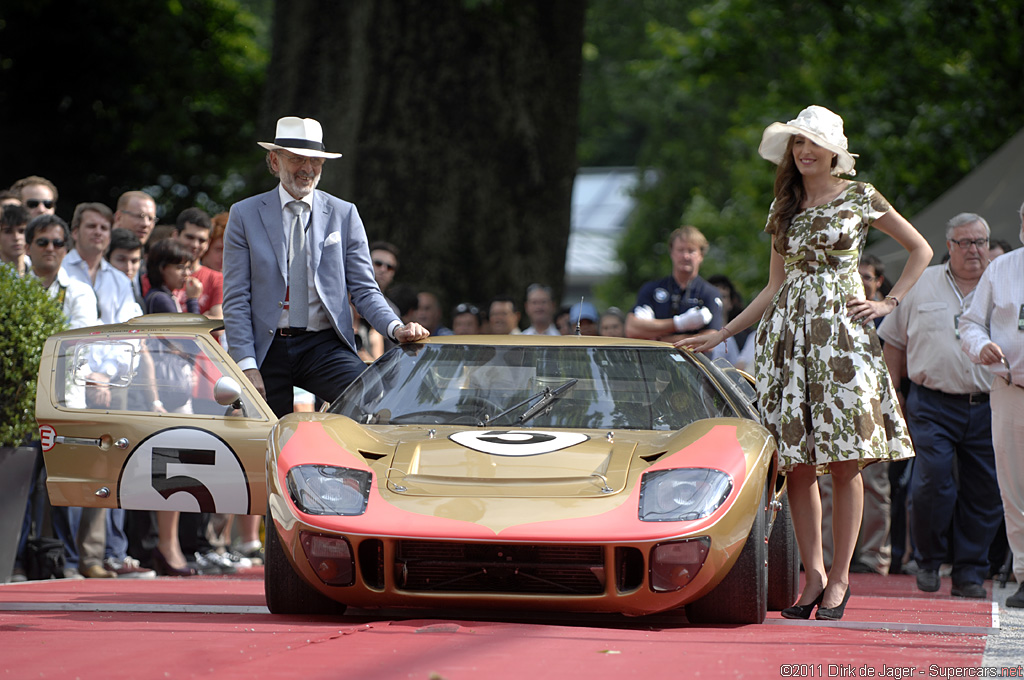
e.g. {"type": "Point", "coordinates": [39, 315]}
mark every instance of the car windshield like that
{"type": "Point", "coordinates": [635, 388]}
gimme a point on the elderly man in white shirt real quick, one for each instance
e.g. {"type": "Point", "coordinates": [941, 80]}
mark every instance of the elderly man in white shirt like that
{"type": "Point", "coordinates": [992, 334]}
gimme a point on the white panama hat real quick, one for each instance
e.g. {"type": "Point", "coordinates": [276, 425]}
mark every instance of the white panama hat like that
{"type": "Point", "coordinates": [817, 124]}
{"type": "Point", "coordinates": [301, 136]}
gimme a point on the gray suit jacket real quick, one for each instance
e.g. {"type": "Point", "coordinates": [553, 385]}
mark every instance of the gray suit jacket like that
{"type": "Point", "coordinates": [256, 271]}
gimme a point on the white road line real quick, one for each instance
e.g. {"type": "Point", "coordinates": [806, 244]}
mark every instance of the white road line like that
{"type": "Point", "coordinates": [893, 626]}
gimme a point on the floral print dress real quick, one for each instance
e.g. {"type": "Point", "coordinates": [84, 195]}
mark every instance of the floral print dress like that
{"type": "Point", "coordinates": [825, 390]}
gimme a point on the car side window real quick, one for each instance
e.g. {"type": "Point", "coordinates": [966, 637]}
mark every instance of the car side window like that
{"type": "Point", "coordinates": [156, 374]}
{"type": "Point", "coordinates": [680, 392]}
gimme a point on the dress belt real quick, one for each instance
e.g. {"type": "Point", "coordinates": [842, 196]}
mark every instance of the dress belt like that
{"type": "Point", "coordinates": [292, 332]}
{"type": "Point", "coordinates": [811, 255]}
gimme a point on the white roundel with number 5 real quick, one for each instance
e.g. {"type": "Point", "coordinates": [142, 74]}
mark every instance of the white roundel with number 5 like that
{"type": "Point", "coordinates": [186, 469]}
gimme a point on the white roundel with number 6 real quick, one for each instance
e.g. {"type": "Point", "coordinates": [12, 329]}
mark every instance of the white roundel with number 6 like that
{"type": "Point", "coordinates": [186, 469]}
{"type": "Point", "coordinates": [517, 442]}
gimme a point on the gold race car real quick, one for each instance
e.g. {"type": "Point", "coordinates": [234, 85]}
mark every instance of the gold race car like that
{"type": "Point", "coordinates": [570, 473]}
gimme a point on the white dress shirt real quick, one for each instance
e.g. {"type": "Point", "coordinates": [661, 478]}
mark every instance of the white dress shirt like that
{"type": "Point", "coordinates": [113, 289]}
{"type": "Point", "coordinates": [317, 320]}
{"type": "Point", "coordinates": [80, 306]}
{"type": "Point", "coordinates": [996, 315]}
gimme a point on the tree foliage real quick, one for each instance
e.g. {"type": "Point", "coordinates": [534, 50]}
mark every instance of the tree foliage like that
{"type": "Point", "coordinates": [927, 88]}
{"type": "Point", "coordinates": [103, 96]}
{"type": "Point", "coordinates": [28, 315]}
{"type": "Point", "coordinates": [458, 122]}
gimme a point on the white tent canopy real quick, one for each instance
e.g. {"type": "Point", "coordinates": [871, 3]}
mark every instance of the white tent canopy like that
{"type": "Point", "coordinates": [994, 190]}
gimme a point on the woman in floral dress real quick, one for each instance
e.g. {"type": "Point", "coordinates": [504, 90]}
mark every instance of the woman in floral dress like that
{"type": "Point", "coordinates": [825, 392]}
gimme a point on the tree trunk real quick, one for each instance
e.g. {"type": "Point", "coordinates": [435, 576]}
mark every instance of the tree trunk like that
{"type": "Point", "coordinates": [458, 122]}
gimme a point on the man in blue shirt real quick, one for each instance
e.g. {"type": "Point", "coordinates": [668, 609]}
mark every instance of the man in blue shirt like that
{"type": "Point", "coordinates": [682, 304]}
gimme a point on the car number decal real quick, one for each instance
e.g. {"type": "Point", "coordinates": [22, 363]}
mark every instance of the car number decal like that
{"type": "Point", "coordinates": [47, 437]}
{"type": "Point", "coordinates": [186, 469]}
{"type": "Point", "coordinates": [517, 442]}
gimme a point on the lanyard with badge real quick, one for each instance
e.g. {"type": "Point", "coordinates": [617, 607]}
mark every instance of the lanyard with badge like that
{"type": "Point", "coordinates": [960, 298]}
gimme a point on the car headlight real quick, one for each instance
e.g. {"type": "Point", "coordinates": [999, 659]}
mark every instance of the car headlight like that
{"type": "Point", "coordinates": [683, 494]}
{"type": "Point", "coordinates": [327, 490]}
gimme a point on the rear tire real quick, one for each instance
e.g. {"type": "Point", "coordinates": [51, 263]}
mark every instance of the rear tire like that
{"type": "Point", "coordinates": [741, 597]}
{"type": "Point", "coordinates": [783, 561]}
{"type": "Point", "coordinates": [285, 590]}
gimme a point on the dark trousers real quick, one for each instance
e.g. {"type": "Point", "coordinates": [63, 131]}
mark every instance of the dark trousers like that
{"type": "Point", "coordinates": [320, 363]}
{"type": "Point", "coordinates": [953, 490]}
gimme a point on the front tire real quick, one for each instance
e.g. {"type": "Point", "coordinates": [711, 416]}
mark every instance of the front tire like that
{"type": "Point", "coordinates": [742, 596]}
{"type": "Point", "coordinates": [783, 561]}
{"type": "Point", "coordinates": [285, 591]}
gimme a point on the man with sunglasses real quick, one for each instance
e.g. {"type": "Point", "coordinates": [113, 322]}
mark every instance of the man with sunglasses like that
{"type": "Point", "coordinates": [953, 489]}
{"type": "Point", "coordinates": [293, 257]}
{"type": "Point", "coordinates": [48, 238]}
{"type": "Point", "coordinates": [38, 194]}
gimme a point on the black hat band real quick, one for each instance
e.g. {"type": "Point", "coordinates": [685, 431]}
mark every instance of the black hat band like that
{"type": "Point", "coordinates": [300, 144]}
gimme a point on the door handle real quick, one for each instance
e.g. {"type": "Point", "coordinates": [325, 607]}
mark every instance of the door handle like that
{"type": "Point", "coordinates": [99, 442]}
{"type": "Point", "coordinates": [79, 441]}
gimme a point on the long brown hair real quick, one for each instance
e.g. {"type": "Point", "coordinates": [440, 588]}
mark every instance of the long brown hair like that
{"type": "Point", "coordinates": [789, 192]}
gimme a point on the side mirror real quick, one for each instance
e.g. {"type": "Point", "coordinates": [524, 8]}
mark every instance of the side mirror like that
{"type": "Point", "coordinates": [227, 392]}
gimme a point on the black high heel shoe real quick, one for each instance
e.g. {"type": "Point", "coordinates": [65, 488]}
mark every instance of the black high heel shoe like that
{"type": "Point", "coordinates": [833, 613]}
{"type": "Point", "coordinates": [802, 611]}
{"type": "Point", "coordinates": [165, 569]}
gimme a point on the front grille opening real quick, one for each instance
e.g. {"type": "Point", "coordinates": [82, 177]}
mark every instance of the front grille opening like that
{"type": "Point", "coordinates": [493, 568]}
{"type": "Point", "coordinates": [371, 563]}
{"type": "Point", "coordinates": [629, 569]}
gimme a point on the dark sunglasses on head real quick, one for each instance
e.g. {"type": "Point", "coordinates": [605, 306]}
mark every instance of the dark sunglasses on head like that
{"type": "Point", "coordinates": [43, 242]}
{"type": "Point", "coordinates": [465, 308]}
{"type": "Point", "coordinates": [34, 203]}
{"type": "Point", "coordinates": [387, 265]}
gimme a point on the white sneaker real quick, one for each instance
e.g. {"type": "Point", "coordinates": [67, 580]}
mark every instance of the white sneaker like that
{"type": "Point", "coordinates": [212, 562]}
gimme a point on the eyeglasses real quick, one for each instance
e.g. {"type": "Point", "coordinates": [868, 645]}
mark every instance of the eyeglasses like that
{"type": "Point", "coordinates": [33, 203]}
{"type": "Point", "coordinates": [465, 308]}
{"type": "Point", "coordinates": [43, 242]}
{"type": "Point", "coordinates": [139, 216]}
{"type": "Point", "coordinates": [387, 265]}
{"type": "Point", "coordinates": [295, 159]}
{"type": "Point", "coordinates": [966, 243]}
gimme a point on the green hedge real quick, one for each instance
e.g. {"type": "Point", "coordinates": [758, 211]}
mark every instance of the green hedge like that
{"type": "Point", "coordinates": [28, 316]}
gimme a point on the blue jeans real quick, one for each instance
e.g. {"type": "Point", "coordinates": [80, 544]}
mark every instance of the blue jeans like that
{"type": "Point", "coordinates": [954, 492]}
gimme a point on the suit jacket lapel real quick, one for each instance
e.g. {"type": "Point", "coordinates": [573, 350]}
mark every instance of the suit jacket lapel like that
{"type": "Point", "coordinates": [321, 217]}
{"type": "Point", "coordinates": [270, 214]}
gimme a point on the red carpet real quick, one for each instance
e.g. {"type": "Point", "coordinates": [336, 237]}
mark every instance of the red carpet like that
{"type": "Point", "coordinates": [217, 627]}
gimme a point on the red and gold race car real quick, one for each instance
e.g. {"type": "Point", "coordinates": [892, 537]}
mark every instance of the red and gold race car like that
{"type": "Point", "coordinates": [519, 472]}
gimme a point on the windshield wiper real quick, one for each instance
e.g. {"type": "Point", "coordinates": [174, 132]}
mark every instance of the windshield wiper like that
{"type": "Point", "coordinates": [547, 396]}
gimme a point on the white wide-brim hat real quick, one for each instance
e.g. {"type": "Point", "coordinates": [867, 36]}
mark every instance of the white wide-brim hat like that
{"type": "Point", "coordinates": [817, 124]}
{"type": "Point", "coordinates": [301, 136]}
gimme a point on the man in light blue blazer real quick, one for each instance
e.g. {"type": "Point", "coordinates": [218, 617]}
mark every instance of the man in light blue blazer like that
{"type": "Point", "coordinates": [292, 258]}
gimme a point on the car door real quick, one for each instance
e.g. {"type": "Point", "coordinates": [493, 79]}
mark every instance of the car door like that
{"type": "Point", "coordinates": [151, 415]}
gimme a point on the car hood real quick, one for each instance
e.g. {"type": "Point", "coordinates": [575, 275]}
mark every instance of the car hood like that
{"type": "Point", "coordinates": [510, 462]}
